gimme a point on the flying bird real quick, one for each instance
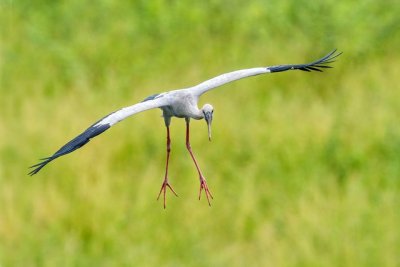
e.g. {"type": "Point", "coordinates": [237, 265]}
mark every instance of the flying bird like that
{"type": "Point", "coordinates": [180, 103]}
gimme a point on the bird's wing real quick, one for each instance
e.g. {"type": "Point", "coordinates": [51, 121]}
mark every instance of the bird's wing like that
{"type": "Point", "coordinates": [154, 101]}
{"type": "Point", "coordinates": [317, 65]}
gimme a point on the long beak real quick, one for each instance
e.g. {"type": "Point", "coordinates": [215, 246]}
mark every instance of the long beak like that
{"type": "Point", "coordinates": [209, 130]}
{"type": "Point", "coordinates": [208, 118]}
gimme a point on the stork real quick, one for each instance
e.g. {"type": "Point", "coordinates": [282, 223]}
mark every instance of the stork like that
{"type": "Point", "coordinates": [181, 103]}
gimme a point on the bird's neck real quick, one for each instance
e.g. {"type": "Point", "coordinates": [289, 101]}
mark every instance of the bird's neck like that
{"type": "Point", "coordinates": [197, 114]}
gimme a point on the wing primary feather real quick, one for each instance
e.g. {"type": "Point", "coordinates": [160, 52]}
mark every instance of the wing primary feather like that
{"type": "Point", "coordinates": [72, 145]}
{"type": "Point", "coordinates": [313, 66]}
{"type": "Point", "coordinates": [323, 66]}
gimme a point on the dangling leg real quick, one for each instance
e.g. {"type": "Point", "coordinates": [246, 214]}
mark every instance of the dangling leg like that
{"type": "Point", "coordinates": [203, 183]}
{"type": "Point", "coordinates": [165, 184]}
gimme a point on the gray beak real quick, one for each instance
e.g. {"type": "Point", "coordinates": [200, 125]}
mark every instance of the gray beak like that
{"type": "Point", "coordinates": [208, 117]}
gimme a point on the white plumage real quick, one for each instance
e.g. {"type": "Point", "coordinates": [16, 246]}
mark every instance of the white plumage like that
{"type": "Point", "coordinates": [182, 104]}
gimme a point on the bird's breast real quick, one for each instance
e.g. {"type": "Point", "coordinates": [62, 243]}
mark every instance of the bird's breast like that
{"type": "Point", "coordinates": [182, 108]}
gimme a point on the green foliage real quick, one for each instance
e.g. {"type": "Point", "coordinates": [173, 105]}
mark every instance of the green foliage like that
{"type": "Point", "coordinates": [304, 167]}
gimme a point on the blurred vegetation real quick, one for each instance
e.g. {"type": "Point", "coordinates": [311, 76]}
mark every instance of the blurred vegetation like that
{"type": "Point", "coordinates": [304, 167]}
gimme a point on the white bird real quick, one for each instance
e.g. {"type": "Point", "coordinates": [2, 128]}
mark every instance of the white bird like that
{"type": "Point", "coordinates": [180, 103]}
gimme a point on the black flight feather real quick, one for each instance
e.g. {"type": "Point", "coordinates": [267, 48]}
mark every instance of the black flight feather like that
{"type": "Point", "coordinates": [72, 145]}
{"type": "Point", "coordinates": [317, 65]}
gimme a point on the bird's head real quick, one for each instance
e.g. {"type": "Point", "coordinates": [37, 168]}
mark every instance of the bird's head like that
{"type": "Point", "coordinates": [208, 111]}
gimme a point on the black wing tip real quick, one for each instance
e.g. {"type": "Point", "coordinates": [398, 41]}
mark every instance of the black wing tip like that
{"type": "Point", "coordinates": [329, 57]}
{"type": "Point", "coordinates": [37, 167]}
{"type": "Point", "coordinates": [71, 146]}
{"type": "Point", "coordinates": [321, 63]}
{"type": "Point", "coordinates": [317, 65]}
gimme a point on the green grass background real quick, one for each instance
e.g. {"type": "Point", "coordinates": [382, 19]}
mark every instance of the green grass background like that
{"type": "Point", "coordinates": [304, 167]}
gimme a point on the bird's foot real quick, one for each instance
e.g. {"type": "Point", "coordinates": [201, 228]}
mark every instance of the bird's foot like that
{"type": "Point", "coordinates": [204, 186]}
{"type": "Point", "coordinates": [163, 189]}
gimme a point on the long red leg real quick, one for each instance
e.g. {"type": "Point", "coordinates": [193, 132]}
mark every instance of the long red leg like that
{"type": "Point", "coordinates": [203, 183]}
{"type": "Point", "coordinates": [165, 184]}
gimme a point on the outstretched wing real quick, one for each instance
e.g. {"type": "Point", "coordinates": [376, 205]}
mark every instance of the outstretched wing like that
{"type": "Point", "coordinates": [154, 101]}
{"type": "Point", "coordinates": [215, 82]}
